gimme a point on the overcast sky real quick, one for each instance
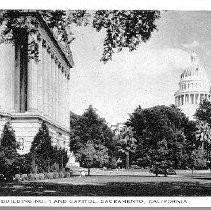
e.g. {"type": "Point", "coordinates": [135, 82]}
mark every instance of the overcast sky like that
{"type": "Point", "coordinates": [148, 76]}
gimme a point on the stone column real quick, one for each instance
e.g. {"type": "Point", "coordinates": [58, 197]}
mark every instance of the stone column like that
{"type": "Point", "coordinates": [66, 101]}
{"type": "Point", "coordinates": [32, 84]}
{"type": "Point", "coordinates": [40, 79]}
{"type": "Point", "coordinates": [2, 78]}
{"type": "Point", "coordinates": [59, 95]}
{"type": "Point", "coordinates": [13, 71]}
{"type": "Point", "coordinates": [8, 78]}
{"type": "Point", "coordinates": [45, 83]}
{"type": "Point", "coordinates": [57, 90]}
{"type": "Point", "coordinates": [63, 97]}
{"type": "Point", "coordinates": [48, 82]}
{"type": "Point", "coordinates": [53, 87]}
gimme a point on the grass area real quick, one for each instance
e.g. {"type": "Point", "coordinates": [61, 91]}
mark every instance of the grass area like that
{"type": "Point", "coordinates": [116, 183]}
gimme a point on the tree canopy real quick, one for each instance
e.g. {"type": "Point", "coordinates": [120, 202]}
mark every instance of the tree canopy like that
{"type": "Point", "coordinates": [203, 112]}
{"type": "Point", "coordinates": [44, 155]}
{"type": "Point", "coordinates": [162, 133]}
{"type": "Point", "coordinates": [9, 158]}
{"type": "Point", "coordinates": [90, 138]}
{"type": "Point", "coordinates": [123, 28]}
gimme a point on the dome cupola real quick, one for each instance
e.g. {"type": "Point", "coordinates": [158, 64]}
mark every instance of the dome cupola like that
{"type": "Point", "coordinates": [193, 87]}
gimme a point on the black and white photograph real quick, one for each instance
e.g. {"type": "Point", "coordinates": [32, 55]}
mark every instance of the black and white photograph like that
{"type": "Point", "coordinates": [105, 107]}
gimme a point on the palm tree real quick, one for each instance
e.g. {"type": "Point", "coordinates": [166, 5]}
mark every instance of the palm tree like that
{"type": "Point", "coordinates": [203, 134]}
{"type": "Point", "coordinates": [127, 144]}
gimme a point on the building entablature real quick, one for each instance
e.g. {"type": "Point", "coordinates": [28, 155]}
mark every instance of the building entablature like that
{"type": "Point", "coordinates": [178, 93]}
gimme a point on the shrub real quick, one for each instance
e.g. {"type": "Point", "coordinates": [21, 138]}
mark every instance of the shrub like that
{"type": "Point", "coordinates": [67, 175]}
{"type": "Point", "coordinates": [46, 175]}
{"type": "Point", "coordinates": [55, 175]}
{"type": "Point", "coordinates": [17, 177]}
{"type": "Point", "coordinates": [31, 177]}
{"type": "Point", "coordinates": [24, 177]}
{"type": "Point", "coordinates": [71, 172]}
{"type": "Point", "coordinates": [113, 163]}
{"type": "Point", "coordinates": [36, 176]}
{"type": "Point", "coordinates": [61, 174]}
{"type": "Point", "coordinates": [41, 176]}
{"type": "Point", "coordinates": [50, 175]}
{"type": "Point", "coordinates": [2, 177]}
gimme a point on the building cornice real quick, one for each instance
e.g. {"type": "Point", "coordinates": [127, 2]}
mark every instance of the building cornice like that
{"type": "Point", "coordinates": [191, 92]}
{"type": "Point", "coordinates": [32, 115]}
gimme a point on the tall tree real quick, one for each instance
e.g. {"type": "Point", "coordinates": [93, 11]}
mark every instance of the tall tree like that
{"type": "Point", "coordinates": [90, 131]}
{"type": "Point", "coordinates": [8, 138]}
{"type": "Point", "coordinates": [127, 144]}
{"type": "Point", "coordinates": [41, 148]}
{"type": "Point", "coordinates": [123, 28]}
{"type": "Point", "coordinates": [89, 156]}
{"type": "Point", "coordinates": [203, 113]}
{"type": "Point", "coordinates": [160, 132]}
{"type": "Point", "coordinates": [8, 153]}
{"type": "Point", "coordinates": [203, 133]}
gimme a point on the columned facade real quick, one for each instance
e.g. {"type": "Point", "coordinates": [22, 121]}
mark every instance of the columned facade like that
{"type": "Point", "coordinates": [193, 87]}
{"type": "Point", "coordinates": [34, 91]}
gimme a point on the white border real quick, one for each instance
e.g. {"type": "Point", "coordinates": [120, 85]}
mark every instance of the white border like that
{"type": "Point", "coordinates": [101, 201]}
{"type": "Point", "coordinates": [74, 201]}
{"type": "Point", "coordinates": [108, 4]}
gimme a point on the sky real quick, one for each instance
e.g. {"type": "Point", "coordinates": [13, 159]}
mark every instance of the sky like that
{"type": "Point", "coordinates": [148, 76]}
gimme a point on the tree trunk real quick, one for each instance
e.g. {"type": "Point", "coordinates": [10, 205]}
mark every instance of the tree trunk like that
{"type": "Point", "coordinates": [127, 160]}
{"type": "Point", "coordinates": [48, 166]}
{"type": "Point", "coordinates": [88, 171]}
{"type": "Point", "coordinates": [33, 163]}
{"type": "Point", "coordinates": [62, 162]}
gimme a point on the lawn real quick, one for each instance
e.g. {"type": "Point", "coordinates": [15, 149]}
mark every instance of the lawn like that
{"type": "Point", "coordinates": [116, 183]}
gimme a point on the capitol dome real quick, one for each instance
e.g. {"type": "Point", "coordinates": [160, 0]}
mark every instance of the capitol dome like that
{"type": "Point", "coordinates": [193, 87]}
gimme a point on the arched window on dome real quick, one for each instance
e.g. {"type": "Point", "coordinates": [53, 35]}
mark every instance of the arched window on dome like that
{"type": "Point", "coordinates": [184, 86]}
{"type": "Point", "coordinates": [188, 85]}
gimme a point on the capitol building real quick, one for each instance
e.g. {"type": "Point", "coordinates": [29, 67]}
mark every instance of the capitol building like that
{"type": "Point", "coordinates": [193, 87]}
